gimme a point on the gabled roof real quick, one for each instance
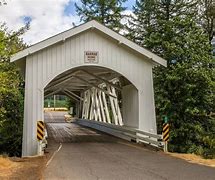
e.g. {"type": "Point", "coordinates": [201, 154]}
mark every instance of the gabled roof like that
{"type": "Point", "coordinates": [74, 31]}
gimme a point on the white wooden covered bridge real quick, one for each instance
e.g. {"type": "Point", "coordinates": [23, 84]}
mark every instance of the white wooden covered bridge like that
{"type": "Point", "coordinates": [93, 65]}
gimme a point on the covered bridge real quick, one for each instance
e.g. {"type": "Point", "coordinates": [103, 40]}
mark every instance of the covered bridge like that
{"type": "Point", "coordinates": [108, 76]}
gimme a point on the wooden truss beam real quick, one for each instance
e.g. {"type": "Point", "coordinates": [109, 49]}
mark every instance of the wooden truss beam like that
{"type": "Point", "coordinates": [101, 79]}
{"type": "Point", "coordinates": [63, 79]}
{"type": "Point", "coordinates": [52, 93]}
{"type": "Point", "coordinates": [69, 95]}
{"type": "Point", "coordinates": [73, 94]}
{"type": "Point", "coordinates": [93, 85]}
{"type": "Point", "coordinates": [95, 106]}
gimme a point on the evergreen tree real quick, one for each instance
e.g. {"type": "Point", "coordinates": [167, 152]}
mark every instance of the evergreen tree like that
{"type": "Point", "coordinates": [108, 12]}
{"type": "Point", "coordinates": [185, 90]}
{"type": "Point", "coordinates": [207, 17]}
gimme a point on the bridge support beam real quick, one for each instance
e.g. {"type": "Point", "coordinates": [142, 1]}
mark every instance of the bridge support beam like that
{"type": "Point", "coordinates": [95, 105]}
{"type": "Point", "coordinates": [146, 105]}
{"type": "Point", "coordinates": [130, 108]}
{"type": "Point", "coordinates": [33, 108]}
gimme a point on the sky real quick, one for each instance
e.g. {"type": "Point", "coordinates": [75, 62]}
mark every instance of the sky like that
{"type": "Point", "coordinates": [46, 17]}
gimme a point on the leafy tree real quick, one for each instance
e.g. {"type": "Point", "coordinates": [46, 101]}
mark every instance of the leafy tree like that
{"type": "Point", "coordinates": [11, 93]}
{"type": "Point", "coordinates": [10, 42]}
{"type": "Point", "coordinates": [108, 13]}
{"type": "Point", "coordinates": [185, 90]}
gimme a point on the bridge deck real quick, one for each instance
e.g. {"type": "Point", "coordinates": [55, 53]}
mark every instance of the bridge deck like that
{"type": "Point", "coordinates": [63, 132]}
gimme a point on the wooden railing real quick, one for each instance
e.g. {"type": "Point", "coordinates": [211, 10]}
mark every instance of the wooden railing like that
{"type": "Point", "coordinates": [127, 132]}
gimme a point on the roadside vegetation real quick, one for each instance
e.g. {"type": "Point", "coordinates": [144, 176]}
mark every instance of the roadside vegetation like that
{"type": "Point", "coordinates": [185, 90]}
{"type": "Point", "coordinates": [60, 102]}
{"type": "Point", "coordinates": [11, 93]}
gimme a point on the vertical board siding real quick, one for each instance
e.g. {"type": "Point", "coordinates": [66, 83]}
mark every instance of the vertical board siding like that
{"type": "Point", "coordinates": [75, 51]}
{"type": "Point", "coordinates": [54, 57]}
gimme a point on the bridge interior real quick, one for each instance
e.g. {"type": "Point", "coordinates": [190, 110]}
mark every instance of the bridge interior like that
{"type": "Point", "coordinates": [62, 132]}
{"type": "Point", "coordinates": [97, 92]}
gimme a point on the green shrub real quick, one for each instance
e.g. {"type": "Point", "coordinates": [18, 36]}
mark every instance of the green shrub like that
{"type": "Point", "coordinates": [11, 93]}
{"type": "Point", "coordinates": [11, 110]}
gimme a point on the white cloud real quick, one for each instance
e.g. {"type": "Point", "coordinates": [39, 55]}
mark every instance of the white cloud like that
{"type": "Point", "coordinates": [128, 14]}
{"type": "Point", "coordinates": [125, 21]}
{"type": "Point", "coordinates": [47, 16]}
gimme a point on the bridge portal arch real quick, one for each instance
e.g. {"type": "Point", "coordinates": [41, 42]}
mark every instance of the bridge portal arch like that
{"type": "Point", "coordinates": [90, 48]}
{"type": "Point", "coordinates": [113, 92]}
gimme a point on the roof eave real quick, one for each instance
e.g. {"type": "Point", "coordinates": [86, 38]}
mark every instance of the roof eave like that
{"type": "Point", "coordinates": [92, 24]}
{"type": "Point", "coordinates": [51, 41]}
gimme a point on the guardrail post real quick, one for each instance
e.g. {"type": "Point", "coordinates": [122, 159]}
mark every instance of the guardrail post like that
{"type": "Point", "coordinates": [165, 146]}
{"type": "Point", "coordinates": [40, 136]}
{"type": "Point", "coordinates": [165, 134]}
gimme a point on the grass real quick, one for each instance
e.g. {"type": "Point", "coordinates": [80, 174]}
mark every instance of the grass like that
{"type": "Point", "coordinates": [58, 103]}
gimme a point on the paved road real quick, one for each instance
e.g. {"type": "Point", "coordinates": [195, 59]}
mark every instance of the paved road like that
{"type": "Point", "coordinates": [85, 154]}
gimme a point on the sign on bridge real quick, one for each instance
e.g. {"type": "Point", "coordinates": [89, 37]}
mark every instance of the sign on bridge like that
{"type": "Point", "coordinates": [40, 130]}
{"type": "Point", "coordinates": [91, 56]}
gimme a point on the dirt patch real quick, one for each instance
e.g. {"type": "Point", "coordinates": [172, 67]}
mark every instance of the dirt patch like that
{"type": "Point", "coordinates": [22, 168]}
{"type": "Point", "coordinates": [192, 158]}
{"type": "Point", "coordinates": [6, 167]}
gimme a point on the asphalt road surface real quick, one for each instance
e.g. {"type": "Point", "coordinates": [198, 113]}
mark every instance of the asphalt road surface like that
{"type": "Point", "coordinates": [84, 154]}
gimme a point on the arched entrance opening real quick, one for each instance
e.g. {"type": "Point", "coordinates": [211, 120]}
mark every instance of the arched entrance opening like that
{"type": "Point", "coordinates": [99, 94]}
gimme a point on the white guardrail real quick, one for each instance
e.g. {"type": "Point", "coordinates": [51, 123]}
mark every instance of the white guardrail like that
{"type": "Point", "coordinates": [124, 132]}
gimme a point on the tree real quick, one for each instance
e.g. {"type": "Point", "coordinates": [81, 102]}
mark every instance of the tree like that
{"type": "Point", "coordinates": [11, 93]}
{"type": "Point", "coordinates": [108, 13]}
{"type": "Point", "coordinates": [151, 16]}
{"type": "Point", "coordinates": [185, 90]}
{"type": "Point", "coordinates": [207, 17]}
{"type": "Point", "coordinates": [10, 42]}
